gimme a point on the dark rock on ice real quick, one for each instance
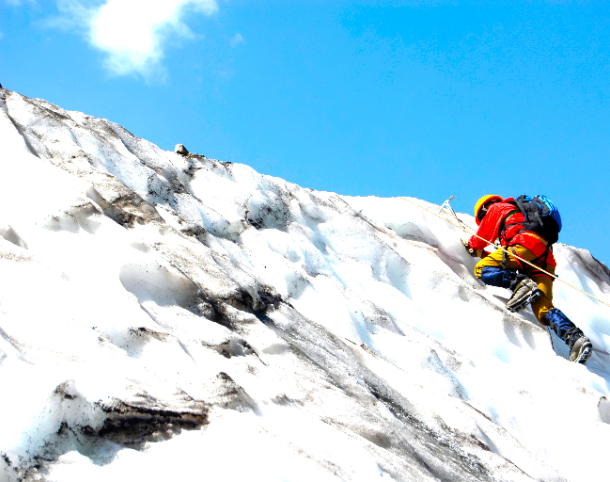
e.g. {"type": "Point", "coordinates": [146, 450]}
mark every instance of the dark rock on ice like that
{"type": "Point", "coordinates": [180, 149]}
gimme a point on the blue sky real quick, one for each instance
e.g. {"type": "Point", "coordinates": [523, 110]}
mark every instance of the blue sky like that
{"type": "Point", "coordinates": [419, 98]}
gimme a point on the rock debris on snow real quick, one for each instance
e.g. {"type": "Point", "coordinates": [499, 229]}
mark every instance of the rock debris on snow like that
{"type": "Point", "coordinates": [165, 317]}
{"type": "Point", "coordinates": [180, 149]}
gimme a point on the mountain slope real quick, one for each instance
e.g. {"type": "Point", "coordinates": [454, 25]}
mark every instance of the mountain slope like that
{"type": "Point", "coordinates": [166, 316]}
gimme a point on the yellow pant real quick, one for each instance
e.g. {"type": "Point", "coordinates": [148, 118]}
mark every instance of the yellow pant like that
{"type": "Point", "coordinates": [544, 303]}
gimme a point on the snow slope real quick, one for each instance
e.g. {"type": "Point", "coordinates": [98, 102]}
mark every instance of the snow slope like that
{"type": "Point", "coordinates": [180, 318]}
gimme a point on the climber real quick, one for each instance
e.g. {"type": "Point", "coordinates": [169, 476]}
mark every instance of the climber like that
{"type": "Point", "coordinates": [526, 229]}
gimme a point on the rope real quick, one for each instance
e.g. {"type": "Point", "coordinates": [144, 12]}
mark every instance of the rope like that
{"type": "Point", "coordinates": [467, 230]}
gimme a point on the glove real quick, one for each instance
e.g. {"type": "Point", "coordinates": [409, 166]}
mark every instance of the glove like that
{"type": "Point", "coordinates": [475, 253]}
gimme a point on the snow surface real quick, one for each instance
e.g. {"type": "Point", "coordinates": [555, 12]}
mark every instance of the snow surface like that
{"type": "Point", "coordinates": [180, 318]}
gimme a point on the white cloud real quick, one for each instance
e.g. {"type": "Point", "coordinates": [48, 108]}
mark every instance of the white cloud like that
{"type": "Point", "coordinates": [133, 33]}
{"type": "Point", "coordinates": [237, 39]}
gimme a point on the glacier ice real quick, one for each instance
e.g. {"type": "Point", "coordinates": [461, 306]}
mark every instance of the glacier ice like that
{"type": "Point", "coordinates": [169, 316]}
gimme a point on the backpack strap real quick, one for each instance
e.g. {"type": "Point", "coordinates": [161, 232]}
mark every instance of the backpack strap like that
{"type": "Point", "coordinates": [504, 226]}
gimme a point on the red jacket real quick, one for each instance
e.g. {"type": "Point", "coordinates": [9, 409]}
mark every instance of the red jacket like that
{"type": "Point", "coordinates": [490, 231]}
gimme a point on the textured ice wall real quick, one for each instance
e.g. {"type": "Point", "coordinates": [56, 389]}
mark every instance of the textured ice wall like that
{"type": "Point", "coordinates": [166, 316]}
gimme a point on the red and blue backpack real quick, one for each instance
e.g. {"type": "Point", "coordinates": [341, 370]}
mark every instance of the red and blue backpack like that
{"type": "Point", "coordinates": [541, 216]}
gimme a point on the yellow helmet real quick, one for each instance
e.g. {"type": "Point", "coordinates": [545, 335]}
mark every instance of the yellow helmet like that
{"type": "Point", "coordinates": [480, 208]}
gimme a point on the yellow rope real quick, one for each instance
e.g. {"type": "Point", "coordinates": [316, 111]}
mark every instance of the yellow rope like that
{"type": "Point", "coordinates": [467, 230]}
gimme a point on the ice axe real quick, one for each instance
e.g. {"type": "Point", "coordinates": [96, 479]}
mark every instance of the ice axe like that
{"type": "Point", "coordinates": [447, 206]}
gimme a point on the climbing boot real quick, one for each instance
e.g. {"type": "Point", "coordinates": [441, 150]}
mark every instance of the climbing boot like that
{"type": "Point", "coordinates": [524, 292]}
{"type": "Point", "coordinates": [581, 348]}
